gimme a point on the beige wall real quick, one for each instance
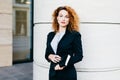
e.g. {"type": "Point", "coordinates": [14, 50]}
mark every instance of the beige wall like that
{"type": "Point", "coordinates": [5, 33]}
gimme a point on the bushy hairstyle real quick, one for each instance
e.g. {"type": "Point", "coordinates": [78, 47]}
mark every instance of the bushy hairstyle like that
{"type": "Point", "coordinates": [73, 21]}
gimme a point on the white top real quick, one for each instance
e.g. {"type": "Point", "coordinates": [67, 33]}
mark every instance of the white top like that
{"type": "Point", "coordinates": [54, 43]}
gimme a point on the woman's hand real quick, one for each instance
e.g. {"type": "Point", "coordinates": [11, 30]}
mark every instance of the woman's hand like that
{"type": "Point", "coordinates": [57, 67]}
{"type": "Point", "coordinates": [54, 58]}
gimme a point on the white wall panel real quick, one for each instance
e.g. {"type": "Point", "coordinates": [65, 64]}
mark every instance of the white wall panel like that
{"type": "Point", "coordinates": [88, 10]}
{"type": "Point", "coordinates": [110, 75]}
{"type": "Point", "coordinates": [100, 29]}
{"type": "Point", "coordinates": [100, 46]}
{"type": "Point", "coordinates": [40, 35]}
{"type": "Point", "coordinates": [40, 73]}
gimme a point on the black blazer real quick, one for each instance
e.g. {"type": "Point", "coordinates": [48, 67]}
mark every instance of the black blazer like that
{"type": "Point", "coordinates": [69, 44]}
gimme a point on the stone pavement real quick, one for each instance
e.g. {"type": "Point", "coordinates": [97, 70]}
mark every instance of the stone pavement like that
{"type": "Point", "coordinates": [22, 71]}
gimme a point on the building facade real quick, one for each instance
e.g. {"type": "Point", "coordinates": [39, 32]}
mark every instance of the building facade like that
{"type": "Point", "coordinates": [15, 31]}
{"type": "Point", "coordinates": [6, 33]}
{"type": "Point", "coordinates": [100, 29]}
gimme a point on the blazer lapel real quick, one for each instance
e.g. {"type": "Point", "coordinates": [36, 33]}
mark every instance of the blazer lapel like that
{"type": "Point", "coordinates": [52, 36]}
{"type": "Point", "coordinates": [59, 46]}
{"type": "Point", "coordinates": [61, 42]}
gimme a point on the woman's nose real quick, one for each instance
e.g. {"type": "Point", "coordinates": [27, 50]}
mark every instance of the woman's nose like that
{"type": "Point", "coordinates": [63, 18]}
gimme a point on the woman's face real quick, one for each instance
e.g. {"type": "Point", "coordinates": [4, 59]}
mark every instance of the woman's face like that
{"type": "Point", "coordinates": [63, 18]}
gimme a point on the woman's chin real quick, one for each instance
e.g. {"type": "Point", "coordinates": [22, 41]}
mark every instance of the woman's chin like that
{"type": "Point", "coordinates": [63, 25]}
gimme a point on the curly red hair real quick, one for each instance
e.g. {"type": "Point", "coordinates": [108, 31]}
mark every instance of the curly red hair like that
{"type": "Point", "coordinates": [73, 21]}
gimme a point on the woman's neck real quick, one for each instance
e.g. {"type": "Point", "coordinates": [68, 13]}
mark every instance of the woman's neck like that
{"type": "Point", "coordinates": [62, 29]}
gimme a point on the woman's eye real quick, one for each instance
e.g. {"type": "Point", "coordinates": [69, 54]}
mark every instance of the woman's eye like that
{"type": "Point", "coordinates": [67, 16]}
{"type": "Point", "coordinates": [61, 16]}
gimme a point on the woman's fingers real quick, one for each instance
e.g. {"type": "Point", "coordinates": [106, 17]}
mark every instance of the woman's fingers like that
{"type": "Point", "coordinates": [58, 58]}
{"type": "Point", "coordinates": [54, 58]}
{"type": "Point", "coordinates": [57, 67]}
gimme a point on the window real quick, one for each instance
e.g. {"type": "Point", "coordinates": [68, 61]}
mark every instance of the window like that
{"type": "Point", "coordinates": [21, 23]}
{"type": "Point", "coordinates": [22, 31]}
{"type": "Point", "coordinates": [21, 1]}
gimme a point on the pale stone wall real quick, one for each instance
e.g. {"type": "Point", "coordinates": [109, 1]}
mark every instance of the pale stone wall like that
{"type": "Point", "coordinates": [5, 33]}
{"type": "Point", "coordinates": [100, 29]}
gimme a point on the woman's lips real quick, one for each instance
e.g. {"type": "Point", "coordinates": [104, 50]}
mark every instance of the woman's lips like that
{"type": "Point", "coordinates": [63, 22]}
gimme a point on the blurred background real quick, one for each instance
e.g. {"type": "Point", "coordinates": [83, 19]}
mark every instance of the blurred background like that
{"type": "Point", "coordinates": [16, 36]}
{"type": "Point", "coordinates": [15, 31]}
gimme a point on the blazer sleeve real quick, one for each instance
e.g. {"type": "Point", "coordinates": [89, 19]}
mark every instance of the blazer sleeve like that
{"type": "Point", "coordinates": [47, 51]}
{"type": "Point", "coordinates": [77, 50]}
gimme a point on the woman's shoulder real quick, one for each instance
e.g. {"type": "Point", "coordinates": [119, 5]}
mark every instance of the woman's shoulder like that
{"type": "Point", "coordinates": [75, 33]}
{"type": "Point", "coordinates": [51, 33]}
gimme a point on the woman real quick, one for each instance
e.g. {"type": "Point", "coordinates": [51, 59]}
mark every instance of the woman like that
{"type": "Point", "coordinates": [64, 47]}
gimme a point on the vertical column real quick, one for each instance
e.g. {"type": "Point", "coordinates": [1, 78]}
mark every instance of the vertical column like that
{"type": "Point", "coordinates": [100, 29]}
{"type": "Point", "coordinates": [5, 33]}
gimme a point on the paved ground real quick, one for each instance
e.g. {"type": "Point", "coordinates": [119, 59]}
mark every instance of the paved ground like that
{"type": "Point", "coordinates": [22, 71]}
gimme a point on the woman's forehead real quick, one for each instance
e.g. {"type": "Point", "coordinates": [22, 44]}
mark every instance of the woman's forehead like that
{"type": "Point", "coordinates": [63, 12]}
